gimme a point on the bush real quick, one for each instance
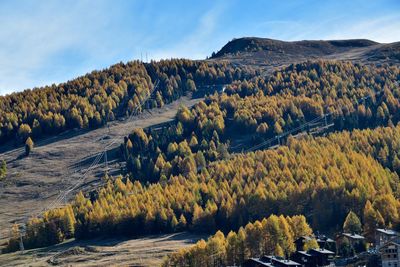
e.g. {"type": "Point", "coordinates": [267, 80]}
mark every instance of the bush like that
{"type": "Point", "coordinates": [3, 169]}
{"type": "Point", "coordinates": [28, 146]}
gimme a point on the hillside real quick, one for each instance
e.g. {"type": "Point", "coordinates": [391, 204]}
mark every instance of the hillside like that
{"type": "Point", "coordinates": [269, 53]}
{"type": "Point", "coordinates": [90, 101]}
{"type": "Point", "coordinates": [304, 48]}
{"type": "Point", "coordinates": [31, 185]}
{"type": "Point", "coordinates": [146, 251]}
{"type": "Point", "coordinates": [316, 127]}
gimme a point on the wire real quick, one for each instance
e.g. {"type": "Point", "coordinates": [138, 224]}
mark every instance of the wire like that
{"type": "Point", "coordinates": [100, 154]}
{"type": "Point", "coordinates": [304, 125]}
{"type": "Point", "coordinates": [62, 196]}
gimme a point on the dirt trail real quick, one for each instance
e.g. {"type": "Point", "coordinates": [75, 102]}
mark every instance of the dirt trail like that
{"type": "Point", "coordinates": [148, 251]}
{"type": "Point", "coordinates": [33, 182]}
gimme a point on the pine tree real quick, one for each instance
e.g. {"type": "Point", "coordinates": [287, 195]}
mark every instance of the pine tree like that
{"type": "Point", "coordinates": [28, 146]}
{"type": "Point", "coordinates": [24, 131]}
{"type": "Point", "coordinates": [372, 220]}
{"type": "Point", "coordinates": [193, 141]}
{"type": "Point", "coordinates": [179, 129]}
{"type": "Point", "coordinates": [286, 237]}
{"type": "Point", "coordinates": [396, 164]}
{"type": "Point", "coordinates": [272, 234]}
{"type": "Point", "coordinates": [13, 242]}
{"type": "Point", "coordinates": [262, 128]}
{"type": "Point", "coordinates": [3, 169]}
{"type": "Point", "coordinates": [182, 222]}
{"type": "Point", "coordinates": [232, 249]}
{"type": "Point", "coordinates": [184, 115]}
{"type": "Point", "coordinates": [200, 159]}
{"type": "Point", "coordinates": [241, 241]}
{"type": "Point", "coordinates": [277, 128]}
{"type": "Point", "coordinates": [190, 85]}
{"type": "Point", "coordinates": [159, 100]}
{"type": "Point", "coordinates": [174, 223]}
{"type": "Point", "coordinates": [216, 248]}
{"type": "Point", "coordinates": [197, 220]}
{"type": "Point", "coordinates": [253, 239]}
{"type": "Point", "coordinates": [69, 222]}
{"type": "Point", "coordinates": [299, 226]}
{"type": "Point", "coordinates": [352, 223]}
{"type": "Point", "coordinates": [278, 251]}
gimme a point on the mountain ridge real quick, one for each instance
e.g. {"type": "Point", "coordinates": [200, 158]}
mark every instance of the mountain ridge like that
{"type": "Point", "coordinates": [251, 44]}
{"type": "Point", "coordinates": [268, 54]}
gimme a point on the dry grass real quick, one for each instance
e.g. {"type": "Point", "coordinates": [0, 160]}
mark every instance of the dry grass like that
{"type": "Point", "coordinates": [34, 182]}
{"type": "Point", "coordinates": [148, 251]}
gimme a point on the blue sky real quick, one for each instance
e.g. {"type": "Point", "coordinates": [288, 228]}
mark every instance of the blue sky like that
{"type": "Point", "coordinates": [52, 41]}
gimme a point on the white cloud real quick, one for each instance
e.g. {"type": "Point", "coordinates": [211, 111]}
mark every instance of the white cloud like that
{"type": "Point", "coordinates": [40, 40]}
{"type": "Point", "coordinates": [383, 29]}
{"type": "Point", "coordinates": [27, 43]}
{"type": "Point", "coordinates": [199, 43]}
{"type": "Point", "coordinates": [35, 43]}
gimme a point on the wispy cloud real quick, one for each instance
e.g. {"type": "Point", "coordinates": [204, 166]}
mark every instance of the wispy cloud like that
{"type": "Point", "coordinates": [198, 43]}
{"type": "Point", "coordinates": [28, 42]}
{"type": "Point", "coordinates": [42, 42]}
{"type": "Point", "coordinates": [51, 42]}
{"type": "Point", "coordinates": [384, 29]}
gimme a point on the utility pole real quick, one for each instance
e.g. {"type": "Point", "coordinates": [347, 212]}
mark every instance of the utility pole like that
{"type": "Point", "coordinates": [105, 160]}
{"type": "Point", "coordinates": [21, 242]}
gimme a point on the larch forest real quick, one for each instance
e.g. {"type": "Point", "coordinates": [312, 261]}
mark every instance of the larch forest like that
{"type": "Point", "coordinates": [266, 156]}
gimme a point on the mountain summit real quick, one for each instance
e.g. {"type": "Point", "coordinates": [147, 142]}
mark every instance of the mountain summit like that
{"type": "Point", "coordinates": [267, 53]}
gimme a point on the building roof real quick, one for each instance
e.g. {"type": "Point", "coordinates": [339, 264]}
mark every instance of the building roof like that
{"type": "Point", "coordinates": [283, 261]}
{"type": "Point", "coordinates": [263, 263]}
{"type": "Point", "coordinates": [388, 244]}
{"type": "Point", "coordinates": [387, 231]}
{"type": "Point", "coordinates": [289, 262]}
{"type": "Point", "coordinates": [353, 236]}
{"type": "Point", "coordinates": [322, 251]}
{"type": "Point", "coordinates": [319, 238]}
{"type": "Point", "coordinates": [323, 238]}
{"type": "Point", "coordinates": [303, 253]}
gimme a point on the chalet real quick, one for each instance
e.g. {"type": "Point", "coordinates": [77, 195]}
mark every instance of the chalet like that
{"type": "Point", "coordinates": [354, 237]}
{"type": "Point", "coordinates": [280, 262]}
{"type": "Point", "coordinates": [270, 261]}
{"type": "Point", "coordinates": [323, 257]}
{"type": "Point", "coordinates": [357, 242]}
{"type": "Point", "coordinates": [382, 236]}
{"type": "Point", "coordinates": [326, 243]}
{"type": "Point", "coordinates": [314, 257]}
{"type": "Point", "coordinates": [304, 258]}
{"type": "Point", "coordinates": [390, 254]}
{"type": "Point", "coordinates": [322, 240]}
{"type": "Point", "coordinates": [255, 262]}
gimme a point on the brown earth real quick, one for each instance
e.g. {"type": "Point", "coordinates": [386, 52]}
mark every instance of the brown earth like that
{"type": "Point", "coordinates": [148, 251]}
{"type": "Point", "coordinates": [269, 54]}
{"type": "Point", "coordinates": [59, 163]}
